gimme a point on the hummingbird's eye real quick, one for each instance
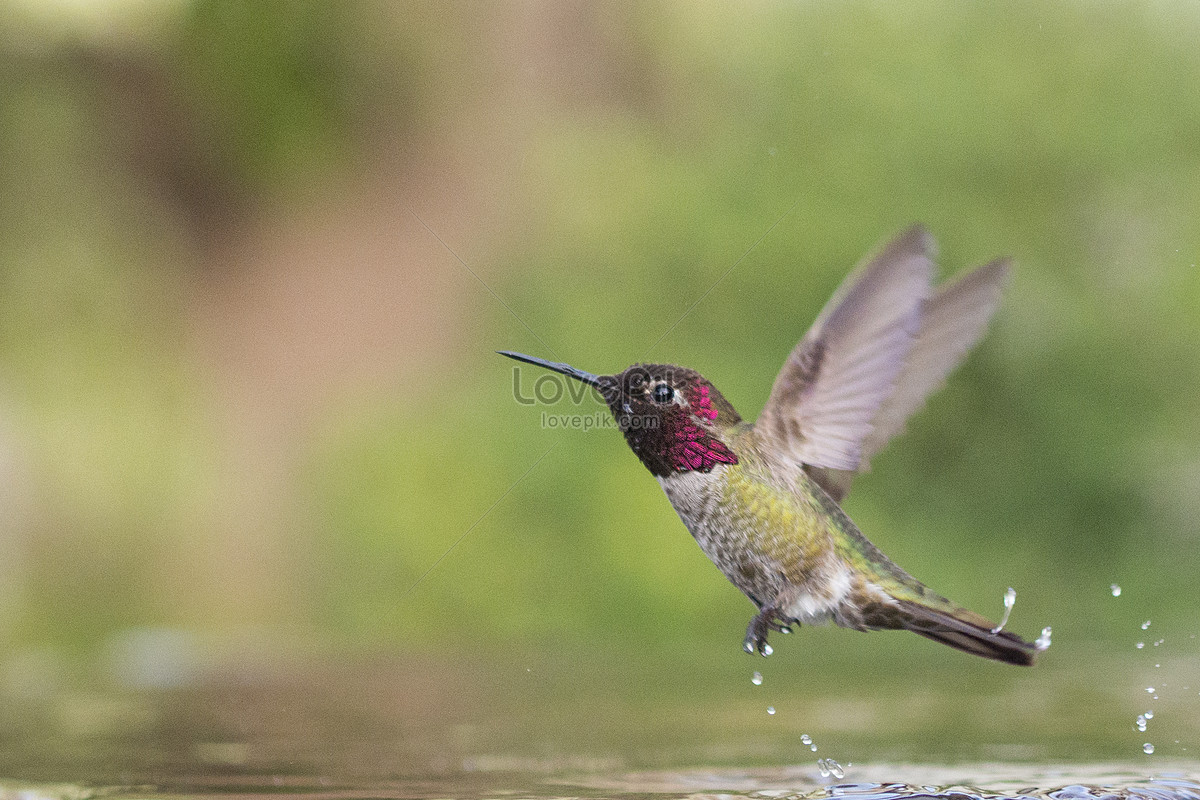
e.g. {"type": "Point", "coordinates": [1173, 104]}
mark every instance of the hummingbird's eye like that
{"type": "Point", "coordinates": [662, 393]}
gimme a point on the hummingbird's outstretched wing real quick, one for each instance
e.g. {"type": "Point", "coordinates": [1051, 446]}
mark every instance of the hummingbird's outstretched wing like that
{"type": "Point", "coordinates": [825, 400]}
{"type": "Point", "coordinates": [951, 323]}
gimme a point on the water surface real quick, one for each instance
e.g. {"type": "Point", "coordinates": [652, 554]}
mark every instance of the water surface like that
{"type": "Point", "coordinates": [549, 723]}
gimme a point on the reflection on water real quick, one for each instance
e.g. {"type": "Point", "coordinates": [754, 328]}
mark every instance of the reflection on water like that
{"type": "Point", "coordinates": [988, 782]}
{"type": "Point", "coordinates": [599, 724]}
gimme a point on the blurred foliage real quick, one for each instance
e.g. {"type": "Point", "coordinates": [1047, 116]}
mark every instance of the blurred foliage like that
{"type": "Point", "coordinates": [1055, 135]}
{"type": "Point", "coordinates": [691, 184]}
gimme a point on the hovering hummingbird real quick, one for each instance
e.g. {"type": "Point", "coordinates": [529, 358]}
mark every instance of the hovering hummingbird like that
{"type": "Point", "coordinates": [762, 499]}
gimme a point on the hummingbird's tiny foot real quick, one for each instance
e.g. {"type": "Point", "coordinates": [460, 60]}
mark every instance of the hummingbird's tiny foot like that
{"type": "Point", "coordinates": [756, 643]}
{"type": "Point", "coordinates": [759, 628]}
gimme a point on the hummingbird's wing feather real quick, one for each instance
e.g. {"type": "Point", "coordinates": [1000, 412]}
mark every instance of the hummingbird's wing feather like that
{"type": "Point", "coordinates": [951, 323]}
{"type": "Point", "coordinates": [841, 373]}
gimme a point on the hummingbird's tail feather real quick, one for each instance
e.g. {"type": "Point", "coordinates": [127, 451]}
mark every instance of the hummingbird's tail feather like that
{"type": "Point", "coordinates": [966, 631]}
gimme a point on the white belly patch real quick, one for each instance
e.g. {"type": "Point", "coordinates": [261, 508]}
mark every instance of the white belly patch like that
{"type": "Point", "coordinates": [816, 607]}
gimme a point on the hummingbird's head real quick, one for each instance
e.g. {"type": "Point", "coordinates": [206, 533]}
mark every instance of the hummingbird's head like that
{"type": "Point", "coordinates": [673, 418]}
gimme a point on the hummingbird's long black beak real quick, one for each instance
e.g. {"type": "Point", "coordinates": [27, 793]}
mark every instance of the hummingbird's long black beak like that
{"type": "Point", "coordinates": [565, 369]}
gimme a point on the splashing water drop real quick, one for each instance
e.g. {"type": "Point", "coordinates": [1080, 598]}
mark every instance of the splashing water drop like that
{"type": "Point", "coordinates": [1010, 598]}
{"type": "Point", "coordinates": [767, 650]}
{"type": "Point", "coordinates": [824, 770]}
{"type": "Point", "coordinates": [1140, 645]}
{"type": "Point", "coordinates": [1043, 641]}
{"type": "Point", "coordinates": [1149, 715]}
{"type": "Point", "coordinates": [1160, 641]}
{"type": "Point", "coordinates": [1149, 690]}
{"type": "Point", "coordinates": [835, 769]}
{"type": "Point", "coordinates": [812, 747]}
{"type": "Point", "coordinates": [756, 679]}
{"type": "Point", "coordinates": [771, 710]}
{"type": "Point", "coordinates": [1147, 748]}
{"type": "Point", "coordinates": [1141, 723]}
{"type": "Point", "coordinates": [806, 738]}
{"type": "Point", "coordinates": [1145, 624]}
{"type": "Point", "coordinates": [1116, 590]}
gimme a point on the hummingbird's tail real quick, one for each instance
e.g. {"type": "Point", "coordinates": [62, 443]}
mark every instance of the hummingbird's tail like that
{"type": "Point", "coordinates": [967, 631]}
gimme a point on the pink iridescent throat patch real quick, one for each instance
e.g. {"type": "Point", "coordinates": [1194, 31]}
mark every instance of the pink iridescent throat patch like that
{"type": "Point", "coordinates": [692, 447]}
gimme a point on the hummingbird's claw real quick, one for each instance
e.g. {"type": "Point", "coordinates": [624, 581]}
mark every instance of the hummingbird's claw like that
{"type": "Point", "coordinates": [760, 627]}
{"type": "Point", "coordinates": [756, 639]}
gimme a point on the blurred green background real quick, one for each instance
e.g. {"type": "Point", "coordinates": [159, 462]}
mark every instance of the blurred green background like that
{"type": "Point", "coordinates": [255, 259]}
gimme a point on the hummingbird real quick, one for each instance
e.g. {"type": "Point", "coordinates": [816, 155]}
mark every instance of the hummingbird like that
{"type": "Point", "coordinates": [763, 499]}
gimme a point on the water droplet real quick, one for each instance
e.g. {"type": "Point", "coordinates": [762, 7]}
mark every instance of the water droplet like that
{"type": "Point", "coordinates": [771, 710]}
{"type": "Point", "coordinates": [1147, 748]}
{"type": "Point", "coordinates": [1145, 624]}
{"type": "Point", "coordinates": [835, 769]}
{"type": "Point", "coordinates": [1010, 597]}
{"type": "Point", "coordinates": [1156, 666]}
{"type": "Point", "coordinates": [1043, 641]}
{"type": "Point", "coordinates": [1149, 715]}
{"type": "Point", "coordinates": [1140, 645]}
{"type": "Point", "coordinates": [1160, 641]}
{"type": "Point", "coordinates": [1141, 723]}
{"type": "Point", "coordinates": [767, 650]}
{"type": "Point", "coordinates": [756, 679]}
{"type": "Point", "coordinates": [812, 747]}
{"type": "Point", "coordinates": [1116, 590]}
{"type": "Point", "coordinates": [1149, 690]}
{"type": "Point", "coordinates": [824, 770]}
{"type": "Point", "coordinates": [806, 738]}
